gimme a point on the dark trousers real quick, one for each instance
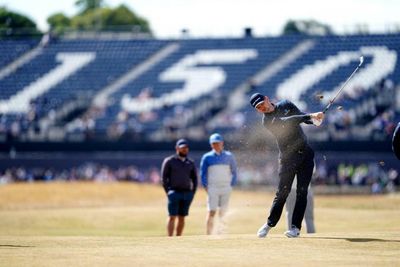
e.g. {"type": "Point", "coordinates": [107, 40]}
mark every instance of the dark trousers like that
{"type": "Point", "coordinates": [300, 164]}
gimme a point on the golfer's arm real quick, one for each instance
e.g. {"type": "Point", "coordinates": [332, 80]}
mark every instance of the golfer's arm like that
{"type": "Point", "coordinates": [297, 116]}
{"type": "Point", "coordinates": [306, 118]}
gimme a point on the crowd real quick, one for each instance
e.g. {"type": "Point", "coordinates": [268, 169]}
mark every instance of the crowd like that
{"type": "Point", "coordinates": [86, 172]}
{"type": "Point", "coordinates": [14, 126]}
{"type": "Point", "coordinates": [365, 114]}
{"type": "Point", "coordinates": [373, 175]}
{"type": "Point", "coordinates": [361, 115]}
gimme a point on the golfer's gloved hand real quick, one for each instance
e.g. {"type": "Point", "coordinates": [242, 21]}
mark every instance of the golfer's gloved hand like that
{"type": "Point", "coordinates": [317, 118]}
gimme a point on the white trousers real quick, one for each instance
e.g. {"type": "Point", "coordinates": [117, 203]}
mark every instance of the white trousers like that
{"type": "Point", "coordinates": [218, 198]}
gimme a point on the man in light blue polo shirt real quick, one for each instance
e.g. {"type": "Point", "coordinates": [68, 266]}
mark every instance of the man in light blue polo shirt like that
{"type": "Point", "coordinates": [218, 173]}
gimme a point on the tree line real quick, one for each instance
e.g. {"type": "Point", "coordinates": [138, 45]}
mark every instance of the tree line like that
{"type": "Point", "coordinates": [95, 15]}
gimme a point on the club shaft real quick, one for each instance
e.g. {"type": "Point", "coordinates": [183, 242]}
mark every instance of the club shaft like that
{"type": "Point", "coordinates": [340, 90]}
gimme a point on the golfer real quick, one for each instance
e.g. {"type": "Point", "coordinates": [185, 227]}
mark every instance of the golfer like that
{"type": "Point", "coordinates": [179, 178]}
{"type": "Point", "coordinates": [218, 174]}
{"type": "Point", "coordinates": [283, 120]}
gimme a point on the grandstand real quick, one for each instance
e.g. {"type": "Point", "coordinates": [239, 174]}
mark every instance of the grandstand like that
{"type": "Point", "coordinates": [141, 94]}
{"type": "Point", "coordinates": [12, 49]}
{"type": "Point", "coordinates": [143, 86]}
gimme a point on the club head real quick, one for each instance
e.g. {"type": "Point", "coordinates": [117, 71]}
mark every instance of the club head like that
{"type": "Point", "coordinates": [361, 61]}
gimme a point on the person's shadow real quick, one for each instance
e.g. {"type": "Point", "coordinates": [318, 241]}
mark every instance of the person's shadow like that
{"type": "Point", "coordinates": [357, 239]}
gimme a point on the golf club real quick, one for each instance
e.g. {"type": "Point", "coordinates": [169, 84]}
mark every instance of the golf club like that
{"type": "Point", "coordinates": [344, 85]}
{"type": "Point", "coordinates": [317, 122]}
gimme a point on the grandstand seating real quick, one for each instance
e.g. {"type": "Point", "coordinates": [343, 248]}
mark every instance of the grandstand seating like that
{"type": "Point", "coordinates": [11, 49]}
{"type": "Point", "coordinates": [107, 60]}
{"type": "Point", "coordinates": [199, 72]}
{"type": "Point", "coordinates": [267, 50]}
{"type": "Point", "coordinates": [329, 46]}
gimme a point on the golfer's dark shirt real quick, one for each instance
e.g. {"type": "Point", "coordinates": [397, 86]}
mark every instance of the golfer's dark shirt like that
{"type": "Point", "coordinates": [284, 124]}
{"type": "Point", "coordinates": [179, 175]}
{"type": "Point", "coordinates": [396, 141]}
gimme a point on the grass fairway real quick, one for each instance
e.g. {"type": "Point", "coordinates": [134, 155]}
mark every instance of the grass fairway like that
{"type": "Point", "coordinates": [123, 224]}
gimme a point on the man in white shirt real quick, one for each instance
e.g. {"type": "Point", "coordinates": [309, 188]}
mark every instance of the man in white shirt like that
{"type": "Point", "coordinates": [218, 174]}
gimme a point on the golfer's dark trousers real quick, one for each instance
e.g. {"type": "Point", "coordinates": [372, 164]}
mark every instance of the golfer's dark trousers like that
{"type": "Point", "coordinates": [299, 163]}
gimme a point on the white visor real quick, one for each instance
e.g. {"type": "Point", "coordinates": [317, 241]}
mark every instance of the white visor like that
{"type": "Point", "coordinates": [259, 104]}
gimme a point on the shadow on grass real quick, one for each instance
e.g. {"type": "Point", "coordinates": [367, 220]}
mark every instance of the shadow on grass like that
{"type": "Point", "coordinates": [15, 246]}
{"type": "Point", "coordinates": [358, 240]}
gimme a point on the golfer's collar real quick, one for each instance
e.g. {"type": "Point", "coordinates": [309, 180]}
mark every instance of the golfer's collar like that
{"type": "Point", "coordinates": [273, 110]}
